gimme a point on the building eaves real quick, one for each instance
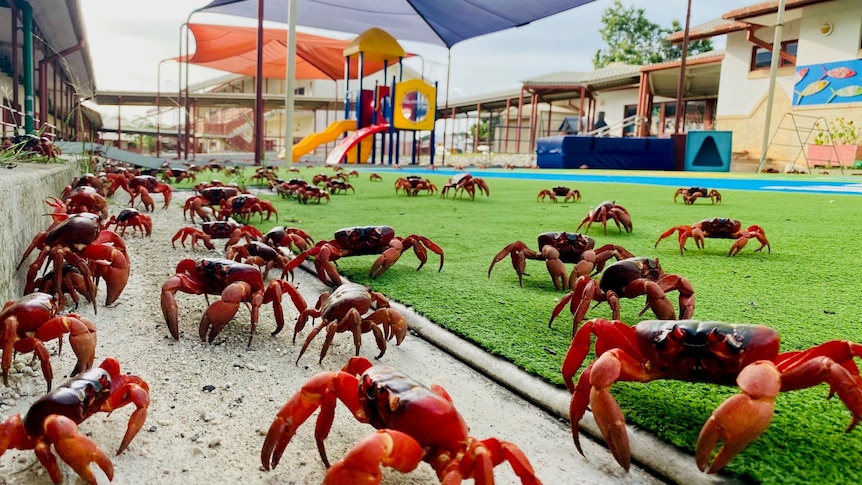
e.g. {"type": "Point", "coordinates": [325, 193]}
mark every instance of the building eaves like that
{"type": "Point", "coordinates": [763, 8]}
{"type": "Point", "coordinates": [697, 59]}
{"type": "Point", "coordinates": [613, 75]}
{"type": "Point", "coordinates": [734, 20]}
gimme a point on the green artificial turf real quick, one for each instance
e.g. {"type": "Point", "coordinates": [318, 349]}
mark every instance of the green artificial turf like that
{"type": "Point", "coordinates": [807, 288]}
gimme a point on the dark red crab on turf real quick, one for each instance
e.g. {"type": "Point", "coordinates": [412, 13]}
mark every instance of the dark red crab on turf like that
{"type": "Point", "coordinates": [726, 354]}
{"type": "Point", "coordinates": [364, 240]}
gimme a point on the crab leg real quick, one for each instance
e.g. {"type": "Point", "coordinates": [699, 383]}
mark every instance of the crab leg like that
{"type": "Point", "coordinates": [82, 338]}
{"type": "Point", "coordinates": [830, 362]}
{"type": "Point", "coordinates": [583, 293]}
{"type": "Point", "coordinates": [135, 391]}
{"type": "Point", "coordinates": [179, 282]}
{"type": "Point", "coordinates": [274, 293]}
{"type": "Point", "coordinates": [519, 252]}
{"type": "Point", "coordinates": [321, 391]}
{"type": "Point", "coordinates": [419, 244]}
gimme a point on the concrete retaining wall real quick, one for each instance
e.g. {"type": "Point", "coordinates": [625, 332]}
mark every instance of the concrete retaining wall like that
{"type": "Point", "coordinates": [22, 192]}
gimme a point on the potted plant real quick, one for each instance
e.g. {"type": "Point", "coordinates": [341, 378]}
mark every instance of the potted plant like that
{"type": "Point", "coordinates": [836, 142]}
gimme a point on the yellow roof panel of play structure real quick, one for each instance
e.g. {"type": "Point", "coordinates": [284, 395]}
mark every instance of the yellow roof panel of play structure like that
{"type": "Point", "coordinates": [377, 45]}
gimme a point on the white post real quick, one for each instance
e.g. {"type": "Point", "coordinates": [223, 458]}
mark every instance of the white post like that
{"type": "Point", "coordinates": [773, 70]}
{"type": "Point", "coordinates": [290, 82]}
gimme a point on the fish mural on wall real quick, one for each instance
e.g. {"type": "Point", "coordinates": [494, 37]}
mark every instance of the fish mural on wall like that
{"type": "Point", "coordinates": [829, 83]}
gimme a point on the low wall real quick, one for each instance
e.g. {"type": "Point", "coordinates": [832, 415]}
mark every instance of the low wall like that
{"type": "Point", "coordinates": [23, 190]}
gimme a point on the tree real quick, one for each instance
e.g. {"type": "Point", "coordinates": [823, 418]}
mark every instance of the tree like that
{"type": "Point", "coordinates": [634, 39]}
{"type": "Point", "coordinates": [481, 131]}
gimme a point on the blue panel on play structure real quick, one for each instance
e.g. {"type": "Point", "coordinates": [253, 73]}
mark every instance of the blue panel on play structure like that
{"type": "Point", "coordinates": [708, 151]}
{"type": "Point", "coordinates": [569, 151]}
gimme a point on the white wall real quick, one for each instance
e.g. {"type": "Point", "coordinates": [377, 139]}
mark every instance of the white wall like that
{"type": "Point", "coordinates": [740, 90]}
{"type": "Point", "coordinates": [613, 103]}
{"type": "Point", "coordinates": [841, 44]}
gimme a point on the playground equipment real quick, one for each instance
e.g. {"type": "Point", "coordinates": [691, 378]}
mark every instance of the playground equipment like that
{"type": "Point", "coordinates": [386, 110]}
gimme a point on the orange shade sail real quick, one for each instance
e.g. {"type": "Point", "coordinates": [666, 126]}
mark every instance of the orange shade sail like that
{"type": "Point", "coordinates": [234, 49]}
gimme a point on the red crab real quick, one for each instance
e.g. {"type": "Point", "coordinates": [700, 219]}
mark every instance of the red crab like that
{"type": "Point", "coordinates": [288, 237]}
{"type": "Point", "coordinates": [693, 193]}
{"type": "Point", "coordinates": [236, 283]}
{"type": "Point", "coordinates": [415, 423]}
{"type": "Point", "coordinates": [720, 228]}
{"type": "Point", "coordinates": [34, 319]}
{"type": "Point", "coordinates": [148, 182]}
{"type": "Point", "coordinates": [80, 241]}
{"type": "Point", "coordinates": [352, 308]}
{"type": "Point", "coordinates": [568, 194]}
{"type": "Point", "coordinates": [465, 182]}
{"type": "Point", "coordinates": [89, 180]}
{"type": "Point", "coordinates": [259, 254]}
{"type": "Point", "coordinates": [199, 205]}
{"type": "Point", "coordinates": [229, 229]}
{"type": "Point", "coordinates": [713, 352]}
{"type": "Point", "coordinates": [242, 207]}
{"type": "Point", "coordinates": [629, 278]}
{"type": "Point", "coordinates": [86, 199]}
{"type": "Point", "coordinates": [73, 283]}
{"type": "Point", "coordinates": [556, 248]}
{"type": "Point", "coordinates": [357, 241]}
{"type": "Point", "coordinates": [605, 211]}
{"type": "Point", "coordinates": [413, 184]}
{"type": "Point", "coordinates": [33, 145]}
{"type": "Point", "coordinates": [131, 217]}
{"type": "Point", "coordinates": [308, 192]}
{"type": "Point", "coordinates": [338, 186]}
{"type": "Point", "coordinates": [217, 194]}
{"type": "Point", "coordinates": [53, 421]}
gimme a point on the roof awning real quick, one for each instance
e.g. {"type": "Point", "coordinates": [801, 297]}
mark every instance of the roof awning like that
{"type": "Point", "coordinates": [234, 49]}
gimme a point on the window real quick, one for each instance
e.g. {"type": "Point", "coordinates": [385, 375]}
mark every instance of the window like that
{"type": "Point", "coordinates": [761, 58]}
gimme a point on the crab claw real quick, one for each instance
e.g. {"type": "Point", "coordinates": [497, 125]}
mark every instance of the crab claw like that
{"type": "Point", "coordinates": [220, 312]}
{"type": "Point", "coordinates": [75, 449]}
{"type": "Point", "coordinates": [609, 417]}
{"type": "Point", "coordinates": [385, 447]}
{"type": "Point", "coordinates": [740, 419]}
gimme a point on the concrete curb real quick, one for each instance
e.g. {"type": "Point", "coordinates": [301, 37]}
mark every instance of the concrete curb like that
{"type": "Point", "coordinates": [660, 458]}
{"type": "Point", "coordinates": [24, 189]}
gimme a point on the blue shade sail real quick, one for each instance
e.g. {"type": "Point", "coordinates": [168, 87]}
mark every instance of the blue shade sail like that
{"type": "Point", "coordinates": [441, 22]}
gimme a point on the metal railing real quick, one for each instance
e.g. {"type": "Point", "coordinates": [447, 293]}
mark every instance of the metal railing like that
{"type": "Point", "coordinates": [12, 122]}
{"type": "Point", "coordinates": [619, 126]}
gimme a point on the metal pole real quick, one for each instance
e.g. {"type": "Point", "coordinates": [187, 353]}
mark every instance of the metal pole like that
{"type": "Point", "coordinates": [258, 89]}
{"type": "Point", "coordinates": [159, 108]}
{"type": "Point", "coordinates": [446, 108]}
{"type": "Point", "coordinates": [180, 96]}
{"type": "Point", "coordinates": [773, 70]}
{"type": "Point", "coordinates": [29, 89]}
{"type": "Point", "coordinates": [290, 83]}
{"type": "Point", "coordinates": [680, 88]}
{"type": "Point", "coordinates": [187, 99]}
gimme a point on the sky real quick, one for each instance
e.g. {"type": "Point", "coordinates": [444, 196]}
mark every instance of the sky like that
{"type": "Point", "coordinates": [132, 44]}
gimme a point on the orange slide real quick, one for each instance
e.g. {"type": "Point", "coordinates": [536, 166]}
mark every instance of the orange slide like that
{"type": "Point", "coordinates": [312, 141]}
{"type": "Point", "coordinates": [349, 143]}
